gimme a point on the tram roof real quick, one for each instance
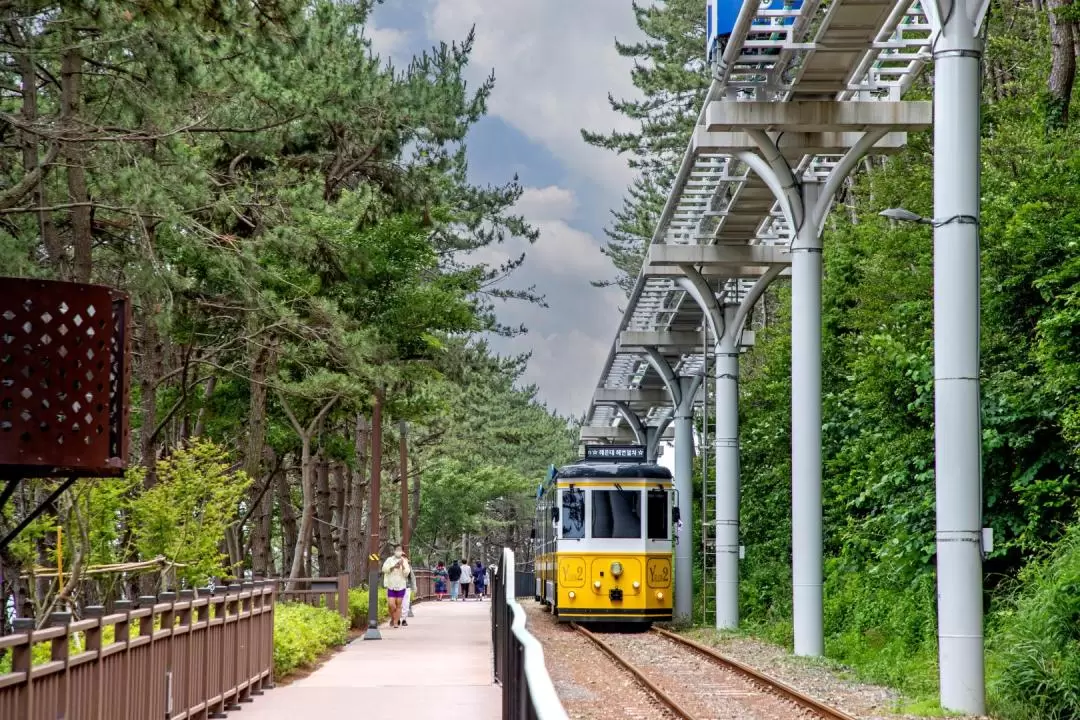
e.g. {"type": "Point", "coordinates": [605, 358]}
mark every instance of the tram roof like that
{"type": "Point", "coordinates": [603, 470]}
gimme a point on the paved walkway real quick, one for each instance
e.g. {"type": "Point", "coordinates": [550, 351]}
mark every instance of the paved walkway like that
{"type": "Point", "coordinates": [438, 666]}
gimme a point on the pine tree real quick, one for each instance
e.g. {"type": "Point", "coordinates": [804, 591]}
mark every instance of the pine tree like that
{"type": "Point", "coordinates": [671, 72]}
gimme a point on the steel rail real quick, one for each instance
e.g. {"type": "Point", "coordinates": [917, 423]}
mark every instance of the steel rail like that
{"type": "Point", "coordinates": [627, 665]}
{"type": "Point", "coordinates": [772, 684]}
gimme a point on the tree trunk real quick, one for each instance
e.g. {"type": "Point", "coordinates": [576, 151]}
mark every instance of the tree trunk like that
{"type": "Point", "coordinates": [261, 558]}
{"type": "Point", "coordinates": [324, 526]}
{"type": "Point", "coordinates": [355, 557]}
{"type": "Point", "coordinates": [54, 248]}
{"type": "Point", "coordinates": [339, 489]}
{"type": "Point", "coordinates": [148, 380]}
{"type": "Point", "coordinates": [82, 234]}
{"type": "Point", "coordinates": [307, 514]}
{"type": "Point", "coordinates": [1062, 65]}
{"type": "Point", "coordinates": [288, 519]}
{"type": "Point", "coordinates": [208, 393]}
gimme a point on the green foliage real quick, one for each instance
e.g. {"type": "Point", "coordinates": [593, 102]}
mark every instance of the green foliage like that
{"type": "Point", "coordinates": [302, 633]}
{"type": "Point", "coordinates": [1034, 659]}
{"type": "Point", "coordinates": [358, 608]}
{"type": "Point", "coordinates": [671, 74]}
{"type": "Point", "coordinates": [184, 515]}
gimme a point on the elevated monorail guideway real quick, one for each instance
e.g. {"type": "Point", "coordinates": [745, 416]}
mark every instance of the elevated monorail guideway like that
{"type": "Point", "coordinates": [802, 91]}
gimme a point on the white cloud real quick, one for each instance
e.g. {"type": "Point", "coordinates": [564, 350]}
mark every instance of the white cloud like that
{"type": "Point", "coordinates": [554, 63]}
{"type": "Point", "coordinates": [562, 250]}
{"type": "Point", "coordinates": [570, 338]}
{"type": "Point", "coordinates": [565, 367]}
{"type": "Point", "coordinates": [389, 43]}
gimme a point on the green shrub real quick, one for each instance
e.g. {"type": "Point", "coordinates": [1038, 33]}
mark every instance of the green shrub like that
{"type": "Point", "coordinates": [886, 631]}
{"type": "Point", "coordinates": [302, 633]}
{"type": "Point", "coordinates": [358, 608]}
{"type": "Point", "coordinates": [1034, 640]}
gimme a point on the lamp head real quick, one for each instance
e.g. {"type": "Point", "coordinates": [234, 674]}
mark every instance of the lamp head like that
{"type": "Point", "coordinates": [902, 215]}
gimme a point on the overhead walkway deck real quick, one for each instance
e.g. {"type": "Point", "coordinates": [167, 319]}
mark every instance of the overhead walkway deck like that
{"type": "Point", "coordinates": [439, 666]}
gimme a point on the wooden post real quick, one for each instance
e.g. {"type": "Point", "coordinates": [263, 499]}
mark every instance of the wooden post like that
{"type": "Point", "coordinates": [404, 470]}
{"type": "Point", "coordinates": [343, 595]}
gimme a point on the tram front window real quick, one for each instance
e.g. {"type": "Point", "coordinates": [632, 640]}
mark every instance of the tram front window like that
{"type": "Point", "coordinates": [573, 514]}
{"type": "Point", "coordinates": [656, 515]}
{"type": "Point", "coordinates": [616, 513]}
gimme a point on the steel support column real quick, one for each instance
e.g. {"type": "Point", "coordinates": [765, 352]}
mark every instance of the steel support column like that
{"type": "Point", "coordinates": [728, 482]}
{"type": "Point", "coordinates": [726, 324]}
{"type": "Point", "coordinates": [682, 391]}
{"type": "Point", "coordinates": [957, 434]}
{"type": "Point", "coordinates": [806, 510]}
{"type": "Point", "coordinates": [806, 205]}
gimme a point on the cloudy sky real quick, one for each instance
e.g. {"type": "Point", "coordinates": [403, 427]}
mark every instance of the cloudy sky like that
{"type": "Point", "coordinates": [554, 63]}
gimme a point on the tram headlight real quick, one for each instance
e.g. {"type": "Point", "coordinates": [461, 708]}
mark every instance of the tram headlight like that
{"type": "Point", "coordinates": [616, 568]}
{"type": "Point", "coordinates": [596, 584]}
{"type": "Point", "coordinates": [637, 585]}
{"type": "Point", "coordinates": [659, 596]}
{"type": "Point", "coordinates": [572, 594]}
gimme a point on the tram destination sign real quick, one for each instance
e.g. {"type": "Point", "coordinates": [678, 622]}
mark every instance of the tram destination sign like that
{"type": "Point", "coordinates": [616, 453]}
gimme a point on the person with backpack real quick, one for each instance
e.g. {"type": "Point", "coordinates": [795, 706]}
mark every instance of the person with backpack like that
{"type": "Point", "coordinates": [466, 579]}
{"type": "Point", "coordinates": [454, 575]}
{"type": "Point", "coordinates": [480, 579]}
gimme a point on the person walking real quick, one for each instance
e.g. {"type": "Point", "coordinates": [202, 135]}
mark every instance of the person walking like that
{"type": "Point", "coordinates": [410, 589]}
{"type": "Point", "coordinates": [466, 579]}
{"type": "Point", "coordinates": [440, 581]}
{"type": "Point", "coordinates": [395, 572]}
{"type": "Point", "coordinates": [454, 575]}
{"type": "Point", "coordinates": [480, 579]}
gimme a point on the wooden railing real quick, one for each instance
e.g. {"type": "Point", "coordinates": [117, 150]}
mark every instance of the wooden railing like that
{"type": "Point", "coordinates": [328, 592]}
{"type": "Point", "coordinates": [162, 657]}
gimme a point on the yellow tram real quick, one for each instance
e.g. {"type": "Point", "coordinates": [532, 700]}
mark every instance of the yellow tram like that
{"type": "Point", "coordinates": [604, 538]}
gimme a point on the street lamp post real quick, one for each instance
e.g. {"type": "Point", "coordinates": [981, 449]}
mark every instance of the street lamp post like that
{"type": "Point", "coordinates": [958, 456]}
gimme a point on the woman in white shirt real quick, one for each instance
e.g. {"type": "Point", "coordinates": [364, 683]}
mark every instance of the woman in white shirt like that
{"type": "Point", "coordinates": [466, 579]}
{"type": "Point", "coordinates": [396, 571]}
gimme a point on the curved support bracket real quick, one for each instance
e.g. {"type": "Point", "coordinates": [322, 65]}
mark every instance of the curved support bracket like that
{"type": "Point", "coordinates": [841, 171]}
{"type": "Point", "coordinates": [763, 170]}
{"type": "Point", "coordinates": [633, 421]}
{"type": "Point", "coordinates": [663, 369]}
{"type": "Point", "coordinates": [782, 174]}
{"type": "Point", "coordinates": [696, 287]}
{"type": "Point", "coordinates": [654, 441]}
{"type": "Point", "coordinates": [752, 297]}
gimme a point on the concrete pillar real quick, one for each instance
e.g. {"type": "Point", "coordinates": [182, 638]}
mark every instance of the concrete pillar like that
{"type": "Point", "coordinates": [957, 433]}
{"type": "Point", "coordinates": [806, 511]}
{"type": "Point", "coordinates": [727, 480]}
{"type": "Point", "coordinates": [684, 477]}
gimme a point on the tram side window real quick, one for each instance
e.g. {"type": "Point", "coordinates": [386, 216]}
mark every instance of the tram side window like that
{"type": "Point", "coordinates": [573, 514]}
{"type": "Point", "coordinates": [616, 513]}
{"type": "Point", "coordinates": [656, 515]}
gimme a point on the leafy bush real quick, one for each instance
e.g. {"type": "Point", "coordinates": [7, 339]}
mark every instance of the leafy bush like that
{"type": "Point", "coordinates": [358, 608]}
{"type": "Point", "coordinates": [1034, 657]}
{"type": "Point", "coordinates": [302, 633]}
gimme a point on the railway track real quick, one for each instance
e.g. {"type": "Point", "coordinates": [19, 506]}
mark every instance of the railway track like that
{"type": "Point", "coordinates": [720, 688]}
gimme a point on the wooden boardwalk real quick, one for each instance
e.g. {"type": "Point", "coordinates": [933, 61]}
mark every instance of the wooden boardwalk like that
{"type": "Point", "coordinates": [438, 666]}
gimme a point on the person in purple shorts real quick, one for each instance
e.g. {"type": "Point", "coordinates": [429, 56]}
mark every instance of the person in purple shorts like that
{"type": "Point", "coordinates": [395, 573]}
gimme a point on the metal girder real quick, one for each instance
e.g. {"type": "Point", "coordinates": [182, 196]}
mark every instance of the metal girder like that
{"type": "Point", "coordinates": [722, 255]}
{"type": "Point", "coordinates": [745, 272]}
{"type": "Point", "coordinates": [635, 341]}
{"type": "Point", "coordinates": [657, 396]}
{"type": "Point", "coordinates": [808, 116]}
{"type": "Point", "coordinates": [793, 144]}
{"type": "Point", "coordinates": [615, 434]}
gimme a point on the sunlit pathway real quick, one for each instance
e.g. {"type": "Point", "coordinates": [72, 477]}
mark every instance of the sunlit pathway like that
{"type": "Point", "coordinates": [438, 666]}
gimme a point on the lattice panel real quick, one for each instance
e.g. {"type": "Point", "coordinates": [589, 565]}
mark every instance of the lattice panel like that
{"type": "Point", "coordinates": [64, 379]}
